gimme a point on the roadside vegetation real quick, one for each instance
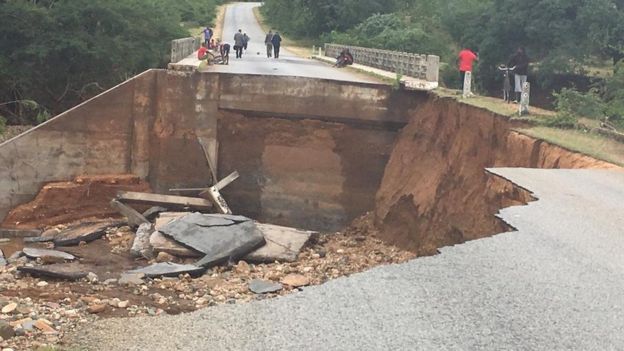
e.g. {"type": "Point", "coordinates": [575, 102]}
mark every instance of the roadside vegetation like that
{"type": "Point", "coordinates": [55, 54]}
{"type": "Point", "coordinates": [576, 48]}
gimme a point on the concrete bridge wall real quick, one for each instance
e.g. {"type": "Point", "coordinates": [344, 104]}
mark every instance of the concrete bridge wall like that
{"type": "Point", "coordinates": [181, 48]}
{"type": "Point", "coordinates": [424, 67]}
{"type": "Point", "coordinates": [310, 152]}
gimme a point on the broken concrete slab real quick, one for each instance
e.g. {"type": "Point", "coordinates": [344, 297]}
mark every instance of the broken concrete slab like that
{"type": "Point", "coordinates": [218, 237]}
{"type": "Point", "coordinates": [282, 244]}
{"type": "Point", "coordinates": [259, 286]}
{"type": "Point", "coordinates": [66, 271]}
{"type": "Point", "coordinates": [86, 232]}
{"type": "Point", "coordinates": [141, 245]}
{"type": "Point", "coordinates": [167, 217]}
{"type": "Point", "coordinates": [18, 233]}
{"type": "Point", "coordinates": [38, 239]}
{"type": "Point", "coordinates": [41, 253]}
{"type": "Point", "coordinates": [161, 243]}
{"type": "Point", "coordinates": [168, 269]}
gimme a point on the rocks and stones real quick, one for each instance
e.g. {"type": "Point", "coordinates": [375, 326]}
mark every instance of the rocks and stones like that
{"type": "Point", "coordinates": [295, 280]}
{"type": "Point", "coordinates": [123, 304]}
{"type": "Point", "coordinates": [168, 269]}
{"type": "Point", "coordinates": [92, 278]}
{"type": "Point", "coordinates": [259, 286]}
{"type": "Point", "coordinates": [9, 308]}
{"type": "Point", "coordinates": [165, 257]}
{"type": "Point", "coordinates": [3, 261]}
{"type": "Point", "coordinates": [66, 271]}
{"type": "Point", "coordinates": [40, 253]}
{"type": "Point", "coordinates": [15, 256]}
{"type": "Point", "coordinates": [6, 330]}
{"type": "Point", "coordinates": [42, 284]}
{"type": "Point", "coordinates": [219, 237]}
{"type": "Point", "coordinates": [96, 308]}
{"type": "Point", "coordinates": [161, 243]}
{"type": "Point", "coordinates": [282, 244]}
{"type": "Point", "coordinates": [141, 246]}
{"type": "Point", "coordinates": [84, 232]}
{"type": "Point", "coordinates": [44, 327]}
{"type": "Point", "coordinates": [131, 279]}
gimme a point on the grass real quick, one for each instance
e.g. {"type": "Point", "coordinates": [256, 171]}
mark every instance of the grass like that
{"type": "Point", "coordinates": [589, 144]}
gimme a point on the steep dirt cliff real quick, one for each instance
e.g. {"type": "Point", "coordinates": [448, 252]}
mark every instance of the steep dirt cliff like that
{"type": "Point", "coordinates": [435, 190]}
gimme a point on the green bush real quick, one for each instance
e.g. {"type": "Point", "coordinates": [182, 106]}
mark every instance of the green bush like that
{"type": "Point", "coordinates": [564, 120]}
{"type": "Point", "coordinates": [573, 102]}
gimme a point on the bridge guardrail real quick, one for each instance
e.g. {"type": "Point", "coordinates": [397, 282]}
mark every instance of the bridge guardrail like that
{"type": "Point", "coordinates": [181, 48]}
{"type": "Point", "coordinates": [424, 67]}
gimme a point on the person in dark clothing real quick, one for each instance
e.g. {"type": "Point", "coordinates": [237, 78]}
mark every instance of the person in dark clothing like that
{"type": "Point", "coordinates": [520, 61]}
{"type": "Point", "coordinates": [277, 42]}
{"type": "Point", "coordinates": [344, 59]}
{"type": "Point", "coordinates": [224, 49]}
{"type": "Point", "coordinates": [239, 42]}
{"type": "Point", "coordinates": [245, 41]}
{"type": "Point", "coordinates": [269, 43]}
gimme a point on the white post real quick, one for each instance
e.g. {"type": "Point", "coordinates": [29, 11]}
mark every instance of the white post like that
{"type": "Point", "coordinates": [467, 84]}
{"type": "Point", "coordinates": [320, 51]}
{"type": "Point", "coordinates": [524, 99]}
{"type": "Point", "coordinates": [313, 49]}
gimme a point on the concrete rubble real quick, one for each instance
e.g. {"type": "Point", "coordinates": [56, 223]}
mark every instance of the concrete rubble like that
{"type": "Point", "coordinates": [170, 255]}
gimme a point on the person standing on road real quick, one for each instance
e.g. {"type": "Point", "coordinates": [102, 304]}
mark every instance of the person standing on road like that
{"type": "Point", "coordinates": [276, 40]}
{"type": "Point", "coordinates": [521, 61]}
{"type": "Point", "coordinates": [465, 59]}
{"type": "Point", "coordinates": [269, 43]}
{"type": "Point", "coordinates": [208, 35]}
{"type": "Point", "coordinates": [245, 41]}
{"type": "Point", "coordinates": [239, 41]}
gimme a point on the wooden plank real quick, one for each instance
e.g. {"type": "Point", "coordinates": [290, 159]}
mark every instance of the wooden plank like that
{"type": "Point", "coordinates": [135, 219]}
{"type": "Point", "coordinates": [164, 200]}
{"type": "Point", "coordinates": [184, 190]}
{"type": "Point", "coordinates": [227, 180]}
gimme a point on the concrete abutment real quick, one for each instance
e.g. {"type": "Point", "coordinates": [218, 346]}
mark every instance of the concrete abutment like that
{"type": "Point", "coordinates": [312, 153]}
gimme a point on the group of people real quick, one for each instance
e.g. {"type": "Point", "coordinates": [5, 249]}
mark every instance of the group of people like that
{"type": "Point", "coordinates": [518, 63]}
{"type": "Point", "coordinates": [273, 42]}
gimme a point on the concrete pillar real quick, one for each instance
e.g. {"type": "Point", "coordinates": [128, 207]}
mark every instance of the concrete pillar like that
{"type": "Point", "coordinates": [467, 85]}
{"type": "Point", "coordinates": [523, 108]}
{"type": "Point", "coordinates": [432, 71]}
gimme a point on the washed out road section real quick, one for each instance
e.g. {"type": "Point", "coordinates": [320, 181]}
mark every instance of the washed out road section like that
{"type": "Point", "coordinates": [556, 283]}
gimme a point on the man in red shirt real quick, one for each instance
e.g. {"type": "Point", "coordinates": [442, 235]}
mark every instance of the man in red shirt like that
{"type": "Point", "coordinates": [465, 60]}
{"type": "Point", "coordinates": [202, 53]}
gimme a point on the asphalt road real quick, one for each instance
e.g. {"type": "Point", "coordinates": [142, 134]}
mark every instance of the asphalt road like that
{"type": "Point", "coordinates": [254, 61]}
{"type": "Point", "coordinates": [555, 284]}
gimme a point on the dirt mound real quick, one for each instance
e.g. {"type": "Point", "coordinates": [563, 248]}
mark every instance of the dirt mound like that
{"type": "Point", "coordinates": [435, 191]}
{"type": "Point", "coordinates": [64, 202]}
